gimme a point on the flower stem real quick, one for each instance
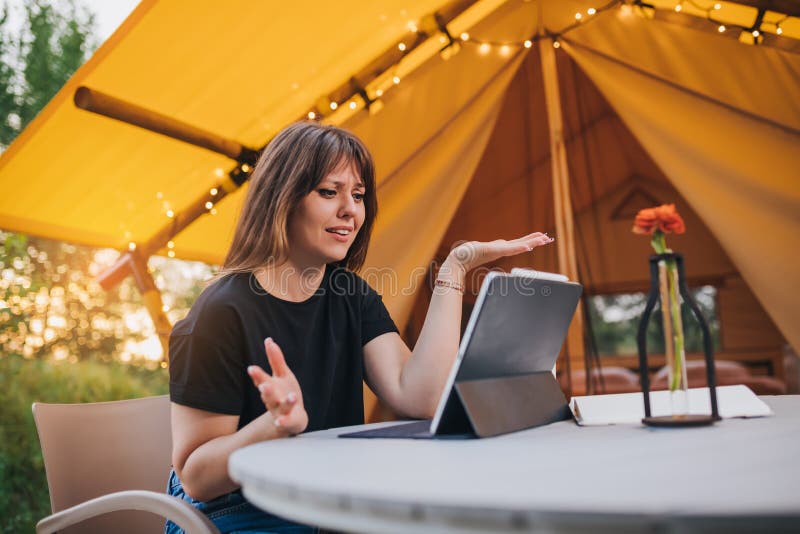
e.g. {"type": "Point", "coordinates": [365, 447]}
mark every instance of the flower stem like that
{"type": "Point", "coordinates": [659, 243]}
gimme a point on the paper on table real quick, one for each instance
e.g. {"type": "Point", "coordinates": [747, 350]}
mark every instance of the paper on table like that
{"type": "Point", "coordinates": [628, 408]}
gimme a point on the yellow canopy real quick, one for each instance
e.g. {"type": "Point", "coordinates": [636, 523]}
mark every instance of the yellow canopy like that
{"type": "Point", "coordinates": [666, 106]}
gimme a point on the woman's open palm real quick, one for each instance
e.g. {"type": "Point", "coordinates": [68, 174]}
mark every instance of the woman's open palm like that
{"type": "Point", "coordinates": [280, 391]}
{"type": "Point", "coordinates": [475, 253]}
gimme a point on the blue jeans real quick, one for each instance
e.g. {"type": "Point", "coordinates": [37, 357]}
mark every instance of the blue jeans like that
{"type": "Point", "coordinates": [232, 514]}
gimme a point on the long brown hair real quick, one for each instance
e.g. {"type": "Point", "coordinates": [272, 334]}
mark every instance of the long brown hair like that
{"type": "Point", "coordinates": [289, 168]}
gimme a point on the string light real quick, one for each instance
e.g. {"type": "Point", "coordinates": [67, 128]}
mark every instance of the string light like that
{"type": "Point", "coordinates": [131, 246]}
{"type": "Point", "coordinates": [170, 214]}
{"type": "Point", "coordinates": [165, 308]}
{"type": "Point", "coordinates": [213, 211]}
{"type": "Point", "coordinates": [429, 25]}
{"type": "Point", "coordinates": [214, 191]}
{"type": "Point", "coordinates": [171, 253]}
{"type": "Point", "coordinates": [245, 167]}
{"type": "Point", "coordinates": [170, 244]}
{"type": "Point", "coordinates": [209, 205]}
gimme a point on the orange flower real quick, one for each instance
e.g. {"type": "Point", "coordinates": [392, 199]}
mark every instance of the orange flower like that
{"type": "Point", "coordinates": [664, 218]}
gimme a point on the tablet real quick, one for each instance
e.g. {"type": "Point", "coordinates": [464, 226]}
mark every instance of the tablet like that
{"type": "Point", "coordinates": [507, 355]}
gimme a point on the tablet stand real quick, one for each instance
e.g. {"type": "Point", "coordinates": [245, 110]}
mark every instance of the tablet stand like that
{"type": "Point", "coordinates": [493, 406]}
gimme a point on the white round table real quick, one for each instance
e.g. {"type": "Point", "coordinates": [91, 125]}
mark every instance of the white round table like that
{"type": "Point", "coordinates": [737, 474]}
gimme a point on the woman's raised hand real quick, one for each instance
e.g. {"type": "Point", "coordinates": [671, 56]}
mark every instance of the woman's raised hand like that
{"type": "Point", "coordinates": [280, 392]}
{"type": "Point", "coordinates": [475, 253]}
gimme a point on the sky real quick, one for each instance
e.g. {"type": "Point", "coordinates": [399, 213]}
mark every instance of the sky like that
{"type": "Point", "coordinates": [109, 14]}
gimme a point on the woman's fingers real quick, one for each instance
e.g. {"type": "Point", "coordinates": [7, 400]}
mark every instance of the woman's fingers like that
{"type": "Point", "coordinates": [275, 356]}
{"type": "Point", "coordinates": [257, 374]}
{"type": "Point", "coordinates": [525, 238]}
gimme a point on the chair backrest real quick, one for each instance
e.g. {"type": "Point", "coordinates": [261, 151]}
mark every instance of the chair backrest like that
{"type": "Point", "coordinates": [99, 448]}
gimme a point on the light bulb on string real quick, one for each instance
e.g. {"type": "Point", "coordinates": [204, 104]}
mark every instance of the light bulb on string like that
{"type": "Point", "coordinates": [484, 48]}
{"type": "Point", "coordinates": [465, 36]}
{"type": "Point", "coordinates": [213, 211]}
{"type": "Point", "coordinates": [721, 28]}
{"type": "Point", "coordinates": [170, 244]}
{"type": "Point", "coordinates": [591, 11]}
{"type": "Point", "coordinates": [401, 47]}
{"type": "Point", "coordinates": [245, 167]}
{"type": "Point", "coordinates": [578, 16]}
{"type": "Point", "coordinates": [778, 29]}
{"type": "Point", "coordinates": [131, 246]}
{"type": "Point", "coordinates": [756, 33]}
{"type": "Point", "coordinates": [396, 80]}
{"type": "Point", "coordinates": [505, 50]}
{"type": "Point", "coordinates": [171, 253]}
{"type": "Point", "coordinates": [556, 44]}
{"type": "Point", "coordinates": [379, 92]}
{"type": "Point", "coordinates": [170, 214]}
{"type": "Point", "coordinates": [209, 205]}
{"type": "Point", "coordinates": [717, 6]}
{"type": "Point", "coordinates": [353, 104]}
{"type": "Point", "coordinates": [678, 8]}
{"type": "Point", "coordinates": [214, 191]}
{"type": "Point", "coordinates": [312, 115]}
{"type": "Point", "coordinates": [334, 105]}
{"type": "Point", "coordinates": [528, 43]}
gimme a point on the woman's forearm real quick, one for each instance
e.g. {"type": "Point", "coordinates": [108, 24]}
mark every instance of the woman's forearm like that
{"type": "Point", "coordinates": [425, 373]}
{"type": "Point", "coordinates": [205, 473]}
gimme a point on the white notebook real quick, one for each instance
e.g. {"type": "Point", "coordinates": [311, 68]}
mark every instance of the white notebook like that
{"type": "Point", "coordinates": [628, 408]}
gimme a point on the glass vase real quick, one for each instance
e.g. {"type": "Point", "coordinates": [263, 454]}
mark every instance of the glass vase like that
{"type": "Point", "coordinates": [674, 348]}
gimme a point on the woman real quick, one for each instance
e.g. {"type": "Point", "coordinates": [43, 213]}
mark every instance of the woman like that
{"type": "Point", "coordinates": [288, 311]}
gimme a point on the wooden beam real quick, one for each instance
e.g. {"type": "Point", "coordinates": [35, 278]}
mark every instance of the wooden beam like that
{"type": "Point", "coordinates": [564, 218]}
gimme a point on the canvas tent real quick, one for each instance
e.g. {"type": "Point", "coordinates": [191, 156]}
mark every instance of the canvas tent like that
{"type": "Point", "coordinates": [655, 106]}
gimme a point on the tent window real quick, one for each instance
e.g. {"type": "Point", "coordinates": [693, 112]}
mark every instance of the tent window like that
{"type": "Point", "coordinates": [614, 321]}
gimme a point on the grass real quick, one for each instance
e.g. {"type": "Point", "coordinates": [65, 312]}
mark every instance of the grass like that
{"type": "Point", "coordinates": [23, 487]}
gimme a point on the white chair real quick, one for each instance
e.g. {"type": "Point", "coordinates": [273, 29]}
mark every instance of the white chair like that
{"type": "Point", "coordinates": [107, 465]}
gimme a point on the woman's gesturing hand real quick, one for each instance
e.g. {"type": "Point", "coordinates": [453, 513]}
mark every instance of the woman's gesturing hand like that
{"type": "Point", "coordinates": [475, 253]}
{"type": "Point", "coordinates": [280, 392]}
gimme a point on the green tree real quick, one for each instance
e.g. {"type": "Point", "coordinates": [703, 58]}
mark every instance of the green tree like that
{"type": "Point", "coordinates": [53, 44]}
{"type": "Point", "coordinates": [8, 104]}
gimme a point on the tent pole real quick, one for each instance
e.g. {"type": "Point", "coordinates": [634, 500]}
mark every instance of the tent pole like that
{"type": "Point", "coordinates": [565, 235]}
{"type": "Point", "coordinates": [151, 296]}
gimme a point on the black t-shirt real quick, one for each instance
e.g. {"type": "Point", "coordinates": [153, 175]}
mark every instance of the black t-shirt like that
{"type": "Point", "coordinates": [322, 339]}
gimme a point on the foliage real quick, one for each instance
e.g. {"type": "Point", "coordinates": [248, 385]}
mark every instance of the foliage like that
{"type": "Point", "coordinates": [615, 322]}
{"type": "Point", "coordinates": [53, 44]}
{"type": "Point", "coordinates": [23, 486]}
